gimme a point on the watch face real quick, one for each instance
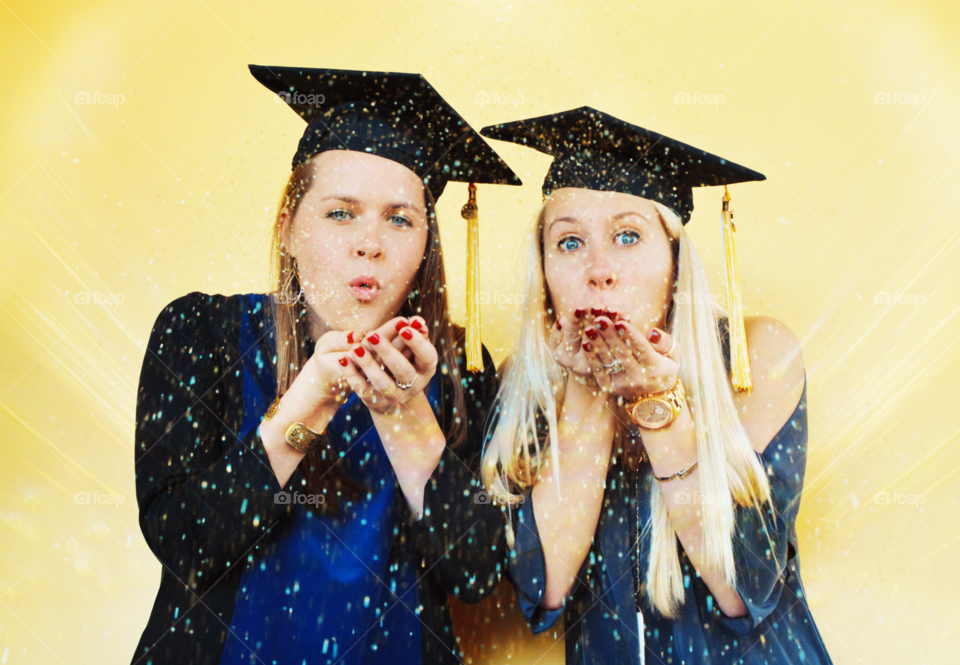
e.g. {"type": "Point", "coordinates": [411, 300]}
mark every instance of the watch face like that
{"type": "Point", "coordinates": [653, 413]}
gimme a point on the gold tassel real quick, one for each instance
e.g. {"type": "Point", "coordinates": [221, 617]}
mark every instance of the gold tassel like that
{"type": "Point", "coordinates": [470, 212]}
{"type": "Point", "coordinates": [739, 358]}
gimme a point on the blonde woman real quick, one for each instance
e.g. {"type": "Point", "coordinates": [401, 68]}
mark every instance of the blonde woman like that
{"type": "Point", "coordinates": [307, 459]}
{"type": "Point", "coordinates": [654, 505]}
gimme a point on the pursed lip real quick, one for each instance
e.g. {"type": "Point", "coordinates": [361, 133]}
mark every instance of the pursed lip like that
{"type": "Point", "coordinates": [365, 287]}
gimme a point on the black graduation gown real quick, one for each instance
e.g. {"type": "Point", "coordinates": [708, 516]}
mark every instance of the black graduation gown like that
{"type": "Point", "coordinates": [600, 615]}
{"type": "Point", "coordinates": [206, 498]}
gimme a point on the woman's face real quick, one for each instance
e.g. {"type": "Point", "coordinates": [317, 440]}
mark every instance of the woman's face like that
{"type": "Point", "coordinates": [607, 250]}
{"type": "Point", "coordinates": [358, 236]}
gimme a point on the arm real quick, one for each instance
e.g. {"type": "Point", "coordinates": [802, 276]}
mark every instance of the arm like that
{"type": "Point", "coordinates": [205, 498]}
{"type": "Point", "coordinates": [460, 536]}
{"type": "Point", "coordinates": [567, 516]}
{"type": "Point", "coordinates": [778, 379]}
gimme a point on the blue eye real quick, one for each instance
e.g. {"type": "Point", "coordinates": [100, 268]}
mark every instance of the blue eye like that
{"type": "Point", "coordinates": [400, 220]}
{"type": "Point", "coordinates": [339, 214]}
{"type": "Point", "coordinates": [627, 237]}
{"type": "Point", "coordinates": [570, 243]}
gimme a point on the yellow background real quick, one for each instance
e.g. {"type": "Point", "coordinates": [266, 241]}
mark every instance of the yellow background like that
{"type": "Point", "coordinates": [174, 189]}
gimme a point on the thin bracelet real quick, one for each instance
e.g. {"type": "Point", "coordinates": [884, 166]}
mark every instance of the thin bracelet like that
{"type": "Point", "coordinates": [679, 474]}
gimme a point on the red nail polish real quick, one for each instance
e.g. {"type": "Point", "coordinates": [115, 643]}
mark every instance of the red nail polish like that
{"type": "Point", "coordinates": [343, 362]}
{"type": "Point", "coordinates": [359, 351]}
{"type": "Point", "coordinates": [417, 325]}
{"type": "Point", "coordinates": [350, 337]}
{"type": "Point", "coordinates": [374, 338]}
{"type": "Point", "coordinates": [588, 347]}
{"type": "Point", "coordinates": [596, 312]}
{"type": "Point", "coordinates": [591, 333]}
{"type": "Point", "coordinates": [579, 313]}
{"type": "Point", "coordinates": [559, 327]}
{"type": "Point", "coordinates": [654, 336]}
{"type": "Point", "coordinates": [620, 328]}
{"type": "Point", "coordinates": [602, 325]}
{"type": "Point", "coordinates": [406, 334]}
{"type": "Point", "coordinates": [401, 324]}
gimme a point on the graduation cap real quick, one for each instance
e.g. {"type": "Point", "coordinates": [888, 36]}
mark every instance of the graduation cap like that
{"type": "Point", "coordinates": [594, 150]}
{"type": "Point", "coordinates": [403, 118]}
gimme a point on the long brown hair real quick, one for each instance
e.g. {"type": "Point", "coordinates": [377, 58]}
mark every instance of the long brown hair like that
{"type": "Point", "coordinates": [427, 298]}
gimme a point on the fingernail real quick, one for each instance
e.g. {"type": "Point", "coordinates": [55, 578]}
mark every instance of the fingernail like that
{"type": "Point", "coordinates": [350, 337]}
{"type": "Point", "coordinates": [416, 324]}
{"type": "Point", "coordinates": [374, 338]}
{"type": "Point", "coordinates": [559, 327]}
{"type": "Point", "coordinates": [620, 327]}
{"type": "Point", "coordinates": [602, 325]}
{"type": "Point", "coordinates": [406, 334]}
{"type": "Point", "coordinates": [613, 316]}
{"type": "Point", "coordinates": [343, 362]}
{"type": "Point", "coordinates": [588, 347]}
{"type": "Point", "coordinates": [596, 312]}
{"type": "Point", "coordinates": [654, 336]}
{"type": "Point", "coordinates": [591, 333]}
{"type": "Point", "coordinates": [401, 324]}
{"type": "Point", "coordinates": [579, 313]}
{"type": "Point", "coordinates": [359, 351]}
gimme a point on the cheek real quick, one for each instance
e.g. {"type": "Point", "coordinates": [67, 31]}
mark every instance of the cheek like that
{"type": "Point", "coordinates": [564, 281]}
{"type": "Point", "coordinates": [405, 252]}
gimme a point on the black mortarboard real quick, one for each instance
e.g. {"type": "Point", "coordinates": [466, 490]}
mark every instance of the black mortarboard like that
{"type": "Point", "coordinates": [403, 118]}
{"type": "Point", "coordinates": [594, 150]}
{"type": "Point", "coordinates": [397, 116]}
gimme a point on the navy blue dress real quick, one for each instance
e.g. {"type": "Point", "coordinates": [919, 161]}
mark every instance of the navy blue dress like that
{"type": "Point", "coordinates": [600, 612]}
{"type": "Point", "coordinates": [248, 578]}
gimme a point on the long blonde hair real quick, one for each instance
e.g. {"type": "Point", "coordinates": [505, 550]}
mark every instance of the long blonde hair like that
{"type": "Point", "coordinates": [524, 439]}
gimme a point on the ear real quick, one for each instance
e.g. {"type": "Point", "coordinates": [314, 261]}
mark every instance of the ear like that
{"type": "Point", "coordinates": [285, 220]}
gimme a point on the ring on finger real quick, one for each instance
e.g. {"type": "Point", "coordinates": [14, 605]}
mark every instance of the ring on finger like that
{"type": "Point", "coordinates": [405, 386]}
{"type": "Point", "coordinates": [614, 367]}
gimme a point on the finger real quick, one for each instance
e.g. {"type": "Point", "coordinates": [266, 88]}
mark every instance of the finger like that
{"type": "Point", "coordinates": [556, 334]}
{"type": "Point", "coordinates": [368, 364]}
{"type": "Point", "coordinates": [638, 344]}
{"type": "Point", "coordinates": [600, 346]}
{"type": "Point", "coordinates": [572, 334]}
{"type": "Point", "coordinates": [593, 361]}
{"type": "Point", "coordinates": [419, 324]}
{"type": "Point", "coordinates": [391, 357]}
{"type": "Point", "coordinates": [358, 382]}
{"type": "Point", "coordinates": [424, 353]}
{"type": "Point", "coordinates": [663, 343]}
{"type": "Point", "coordinates": [337, 340]}
{"type": "Point", "coordinates": [606, 326]}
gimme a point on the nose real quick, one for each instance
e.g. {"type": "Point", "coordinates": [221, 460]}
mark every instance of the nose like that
{"type": "Point", "coordinates": [368, 246]}
{"type": "Point", "coordinates": [601, 274]}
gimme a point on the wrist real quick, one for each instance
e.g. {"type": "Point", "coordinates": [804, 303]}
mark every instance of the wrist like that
{"type": "Point", "coordinates": [674, 447]}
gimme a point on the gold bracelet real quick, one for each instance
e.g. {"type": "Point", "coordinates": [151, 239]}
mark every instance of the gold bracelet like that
{"type": "Point", "coordinates": [301, 438]}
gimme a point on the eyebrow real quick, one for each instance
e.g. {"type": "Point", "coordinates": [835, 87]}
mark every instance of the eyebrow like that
{"type": "Point", "coordinates": [350, 199]}
{"type": "Point", "coordinates": [617, 217]}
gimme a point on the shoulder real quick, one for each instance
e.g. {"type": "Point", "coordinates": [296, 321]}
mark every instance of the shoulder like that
{"type": "Point", "coordinates": [778, 376]}
{"type": "Point", "coordinates": [196, 317]}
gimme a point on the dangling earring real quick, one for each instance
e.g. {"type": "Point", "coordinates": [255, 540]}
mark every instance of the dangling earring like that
{"type": "Point", "coordinates": [284, 298]}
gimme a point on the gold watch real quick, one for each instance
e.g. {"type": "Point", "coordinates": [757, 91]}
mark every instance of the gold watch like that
{"type": "Point", "coordinates": [301, 438]}
{"type": "Point", "coordinates": [658, 410]}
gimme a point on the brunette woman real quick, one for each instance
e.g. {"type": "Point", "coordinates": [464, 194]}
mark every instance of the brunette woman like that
{"type": "Point", "coordinates": [307, 460]}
